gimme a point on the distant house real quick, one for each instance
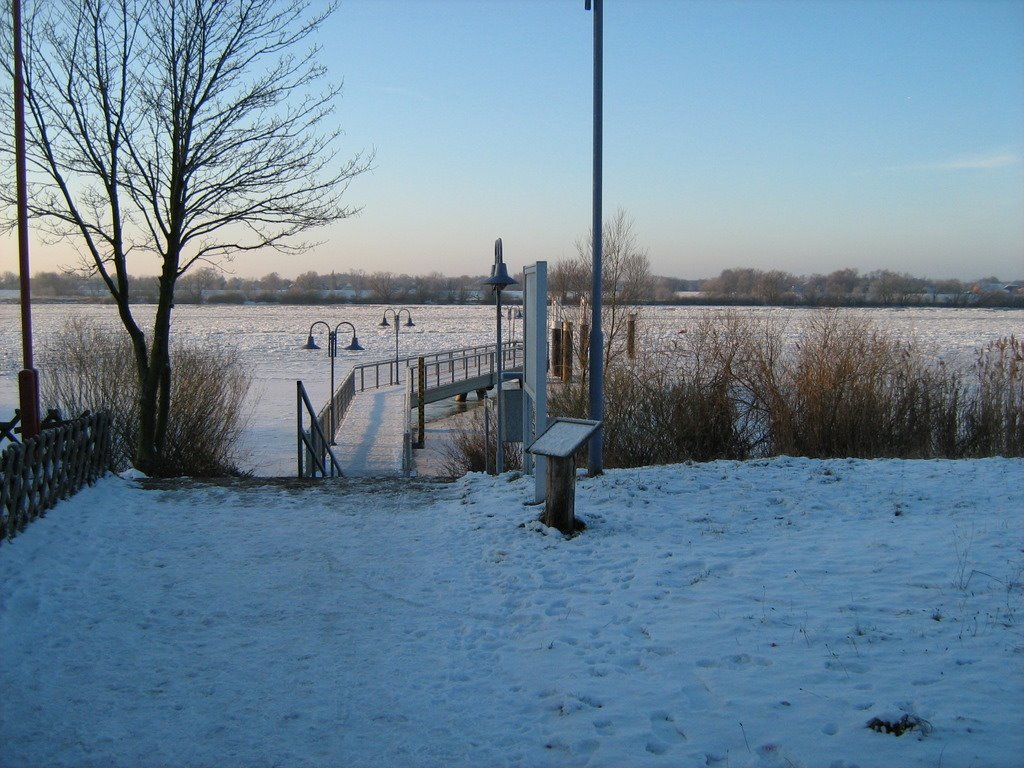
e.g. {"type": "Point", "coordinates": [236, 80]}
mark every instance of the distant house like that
{"type": "Point", "coordinates": [688, 295]}
{"type": "Point", "coordinates": [932, 296]}
{"type": "Point", "coordinates": [1009, 288]}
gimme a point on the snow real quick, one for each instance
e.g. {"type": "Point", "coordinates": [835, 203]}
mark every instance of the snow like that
{"type": "Point", "coordinates": [725, 614]}
{"type": "Point", "coordinates": [371, 436]}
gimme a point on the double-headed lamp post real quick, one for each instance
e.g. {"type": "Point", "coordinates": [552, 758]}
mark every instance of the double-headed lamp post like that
{"type": "Point", "coordinates": [332, 352]}
{"type": "Point", "coordinates": [499, 281]}
{"type": "Point", "coordinates": [396, 316]}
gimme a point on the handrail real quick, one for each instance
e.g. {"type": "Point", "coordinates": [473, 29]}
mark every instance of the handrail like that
{"type": "Point", "coordinates": [312, 444]}
{"type": "Point", "coordinates": [368, 375]}
{"type": "Point", "coordinates": [469, 366]}
{"type": "Point", "coordinates": [342, 400]}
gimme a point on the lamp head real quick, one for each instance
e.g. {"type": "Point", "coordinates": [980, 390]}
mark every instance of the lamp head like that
{"type": "Point", "coordinates": [499, 279]}
{"type": "Point", "coordinates": [310, 344]}
{"type": "Point", "coordinates": [409, 323]}
{"type": "Point", "coordinates": [384, 322]}
{"type": "Point", "coordinates": [354, 346]}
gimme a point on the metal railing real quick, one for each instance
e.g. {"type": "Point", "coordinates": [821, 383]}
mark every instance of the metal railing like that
{"type": "Point", "coordinates": [442, 368]}
{"type": "Point", "coordinates": [313, 447]}
{"type": "Point", "coordinates": [384, 373]}
{"type": "Point", "coordinates": [449, 368]}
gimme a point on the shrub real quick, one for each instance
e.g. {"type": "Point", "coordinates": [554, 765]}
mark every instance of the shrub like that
{"type": "Point", "coordinates": [995, 411]}
{"type": "Point", "coordinates": [735, 387]}
{"type": "Point", "coordinates": [672, 406]}
{"type": "Point", "coordinates": [89, 367]}
{"type": "Point", "coordinates": [472, 448]}
{"type": "Point", "coordinates": [847, 389]}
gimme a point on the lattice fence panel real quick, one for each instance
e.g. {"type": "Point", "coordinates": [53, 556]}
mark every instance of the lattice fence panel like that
{"type": "Point", "coordinates": [36, 474]}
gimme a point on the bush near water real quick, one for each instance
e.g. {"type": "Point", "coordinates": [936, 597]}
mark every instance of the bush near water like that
{"type": "Point", "coordinates": [89, 368]}
{"type": "Point", "coordinates": [732, 388]}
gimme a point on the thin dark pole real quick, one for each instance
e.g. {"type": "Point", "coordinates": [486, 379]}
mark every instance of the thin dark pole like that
{"type": "Point", "coordinates": [499, 451]}
{"type": "Point", "coordinates": [596, 453]}
{"type": "Point", "coordinates": [28, 379]}
{"type": "Point", "coordinates": [332, 350]}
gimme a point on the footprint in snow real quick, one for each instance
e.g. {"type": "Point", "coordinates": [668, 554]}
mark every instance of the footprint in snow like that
{"type": "Point", "coordinates": [665, 729]}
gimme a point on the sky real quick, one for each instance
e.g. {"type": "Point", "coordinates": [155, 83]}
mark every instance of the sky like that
{"type": "Point", "coordinates": [801, 136]}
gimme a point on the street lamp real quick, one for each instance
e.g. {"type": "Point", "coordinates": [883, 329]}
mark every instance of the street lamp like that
{"type": "Point", "coordinates": [499, 281]}
{"type": "Point", "coordinates": [396, 315]}
{"type": "Point", "coordinates": [332, 352]}
{"type": "Point", "coordinates": [595, 465]}
{"type": "Point", "coordinates": [28, 377]}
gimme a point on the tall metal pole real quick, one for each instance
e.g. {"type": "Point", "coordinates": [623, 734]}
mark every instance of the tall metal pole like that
{"type": "Point", "coordinates": [28, 378]}
{"type": "Point", "coordinates": [596, 461]}
{"type": "Point", "coordinates": [498, 281]}
{"type": "Point", "coordinates": [332, 351]}
{"type": "Point", "coordinates": [499, 454]}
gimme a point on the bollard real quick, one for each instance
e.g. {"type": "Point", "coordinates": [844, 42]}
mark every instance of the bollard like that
{"type": "Point", "coordinates": [566, 350]}
{"type": "Point", "coordinates": [555, 362]}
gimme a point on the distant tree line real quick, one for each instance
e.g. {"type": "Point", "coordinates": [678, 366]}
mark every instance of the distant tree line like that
{"type": "Point", "coordinates": [846, 287]}
{"type": "Point", "coordinates": [209, 285]}
{"type": "Point", "coordinates": [628, 279]}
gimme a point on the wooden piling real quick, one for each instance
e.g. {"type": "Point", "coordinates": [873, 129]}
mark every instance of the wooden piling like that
{"type": "Point", "coordinates": [555, 362]}
{"type": "Point", "coordinates": [566, 350]}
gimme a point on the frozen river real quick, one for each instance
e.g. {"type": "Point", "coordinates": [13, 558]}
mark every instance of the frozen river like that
{"type": "Point", "coordinates": [270, 338]}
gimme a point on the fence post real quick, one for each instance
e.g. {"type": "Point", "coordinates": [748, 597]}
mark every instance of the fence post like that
{"type": "Point", "coordinates": [421, 404]}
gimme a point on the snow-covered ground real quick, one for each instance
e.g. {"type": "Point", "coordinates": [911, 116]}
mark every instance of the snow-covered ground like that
{"type": "Point", "coordinates": [725, 614]}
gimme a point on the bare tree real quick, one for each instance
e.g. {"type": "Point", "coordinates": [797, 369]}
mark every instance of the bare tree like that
{"type": "Point", "coordinates": [383, 286]}
{"type": "Point", "coordinates": [198, 280]}
{"type": "Point", "coordinates": [186, 129]}
{"type": "Point", "coordinates": [625, 277]}
{"type": "Point", "coordinates": [569, 279]}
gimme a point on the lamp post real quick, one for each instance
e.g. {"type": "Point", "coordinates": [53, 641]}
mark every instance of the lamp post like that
{"type": "Point", "coordinates": [396, 316]}
{"type": "Point", "coordinates": [332, 352]}
{"type": "Point", "coordinates": [499, 281]}
{"type": "Point", "coordinates": [28, 377]}
{"type": "Point", "coordinates": [596, 461]}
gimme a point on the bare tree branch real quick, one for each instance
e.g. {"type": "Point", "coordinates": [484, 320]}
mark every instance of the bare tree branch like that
{"type": "Point", "coordinates": [189, 129]}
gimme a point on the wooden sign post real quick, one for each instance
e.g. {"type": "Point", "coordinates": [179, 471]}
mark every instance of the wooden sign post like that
{"type": "Point", "coordinates": [559, 443]}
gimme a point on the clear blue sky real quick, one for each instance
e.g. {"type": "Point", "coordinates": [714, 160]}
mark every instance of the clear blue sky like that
{"type": "Point", "coordinates": [804, 136]}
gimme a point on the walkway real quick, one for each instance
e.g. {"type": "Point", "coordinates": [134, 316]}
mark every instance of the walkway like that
{"type": "Point", "coordinates": [371, 437]}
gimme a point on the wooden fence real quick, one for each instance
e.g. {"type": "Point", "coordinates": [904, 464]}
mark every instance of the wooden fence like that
{"type": "Point", "coordinates": [39, 472]}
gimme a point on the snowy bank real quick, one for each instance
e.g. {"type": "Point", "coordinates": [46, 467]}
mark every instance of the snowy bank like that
{"type": "Point", "coordinates": [725, 614]}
